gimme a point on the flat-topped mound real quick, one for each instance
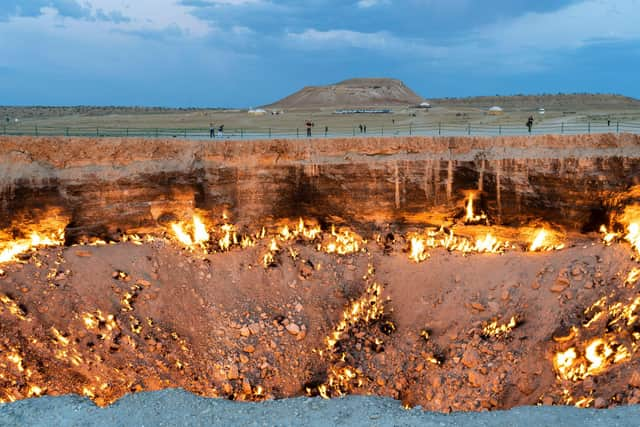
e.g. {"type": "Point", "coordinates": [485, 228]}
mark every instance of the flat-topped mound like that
{"type": "Point", "coordinates": [361, 92]}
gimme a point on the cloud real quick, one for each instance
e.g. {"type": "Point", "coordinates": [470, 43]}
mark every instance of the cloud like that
{"type": "Point", "coordinates": [209, 3]}
{"type": "Point", "coordinates": [384, 43]}
{"type": "Point", "coordinates": [365, 4]}
{"type": "Point", "coordinates": [34, 8]}
{"type": "Point", "coordinates": [575, 26]}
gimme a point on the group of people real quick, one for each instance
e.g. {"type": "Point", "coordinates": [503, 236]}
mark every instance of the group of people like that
{"type": "Point", "coordinates": [363, 128]}
{"type": "Point", "coordinates": [212, 131]}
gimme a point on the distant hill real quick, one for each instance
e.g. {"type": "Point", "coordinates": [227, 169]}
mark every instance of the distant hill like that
{"type": "Point", "coordinates": [364, 92]}
{"type": "Point", "coordinates": [581, 101]}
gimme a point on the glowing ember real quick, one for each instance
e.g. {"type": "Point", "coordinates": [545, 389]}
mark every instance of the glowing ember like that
{"type": "Point", "coordinates": [608, 237]}
{"type": "Point", "coordinates": [632, 277]}
{"type": "Point", "coordinates": [342, 379]}
{"type": "Point", "coordinates": [496, 330]}
{"type": "Point", "coordinates": [12, 307]}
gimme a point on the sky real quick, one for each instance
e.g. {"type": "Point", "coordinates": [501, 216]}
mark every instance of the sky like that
{"type": "Point", "coordinates": [244, 53]}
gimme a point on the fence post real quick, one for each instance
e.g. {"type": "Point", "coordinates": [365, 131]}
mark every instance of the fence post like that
{"type": "Point", "coordinates": [269, 132]}
{"type": "Point", "coordinates": [562, 127]}
{"type": "Point", "coordinates": [156, 132]}
{"type": "Point", "coordinates": [354, 131]}
{"type": "Point", "coordinates": [469, 129]}
{"type": "Point", "coordinates": [589, 126]}
{"type": "Point", "coordinates": [241, 133]}
{"type": "Point", "coordinates": [97, 131]}
{"type": "Point", "coordinates": [499, 129]}
{"type": "Point", "coordinates": [410, 130]}
{"type": "Point", "coordinates": [36, 127]}
{"type": "Point", "coordinates": [185, 132]}
{"type": "Point", "coordinates": [66, 131]}
{"type": "Point", "coordinates": [439, 128]}
{"type": "Point", "coordinates": [618, 126]}
{"type": "Point", "coordinates": [127, 131]}
{"type": "Point", "coordinates": [297, 133]}
{"type": "Point", "coordinates": [381, 131]}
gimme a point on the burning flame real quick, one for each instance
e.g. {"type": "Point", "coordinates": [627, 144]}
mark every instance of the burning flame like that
{"type": "Point", "coordinates": [200, 234]}
{"type": "Point", "coordinates": [198, 237]}
{"type": "Point", "coordinates": [598, 354]}
{"type": "Point", "coordinates": [269, 259]}
{"type": "Point", "coordinates": [631, 221]}
{"type": "Point", "coordinates": [433, 239]}
{"type": "Point", "coordinates": [343, 242]}
{"type": "Point", "coordinates": [182, 235]}
{"type": "Point", "coordinates": [9, 251]}
{"type": "Point", "coordinates": [543, 242]}
{"type": "Point", "coordinates": [417, 249]}
{"type": "Point", "coordinates": [470, 216]}
{"type": "Point", "coordinates": [633, 235]}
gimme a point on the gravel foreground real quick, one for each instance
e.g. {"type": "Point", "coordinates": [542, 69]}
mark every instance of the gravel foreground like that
{"type": "Point", "coordinates": [177, 407]}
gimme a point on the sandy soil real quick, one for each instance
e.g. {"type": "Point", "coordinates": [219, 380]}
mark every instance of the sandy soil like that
{"type": "Point", "coordinates": [461, 111]}
{"type": "Point", "coordinates": [105, 321]}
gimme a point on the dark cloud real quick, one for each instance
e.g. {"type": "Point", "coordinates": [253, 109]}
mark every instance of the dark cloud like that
{"type": "Point", "coordinates": [431, 19]}
{"type": "Point", "coordinates": [67, 8]}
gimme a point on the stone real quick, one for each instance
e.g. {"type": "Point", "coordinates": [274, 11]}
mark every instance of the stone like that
{"type": "Point", "coordinates": [470, 358]}
{"type": "Point", "coordinates": [244, 331]}
{"type": "Point", "coordinates": [599, 403]}
{"type": "Point", "coordinates": [477, 306]}
{"type": "Point", "coordinates": [293, 329]}
{"type": "Point", "coordinates": [232, 372]}
{"type": "Point", "coordinates": [634, 380]}
{"type": "Point", "coordinates": [254, 328]}
{"type": "Point", "coordinates": [476, 379]}
{"type": "Point", "coordinates": [249, 349]}
{"type": "Point", "coordinates": [547, 401]}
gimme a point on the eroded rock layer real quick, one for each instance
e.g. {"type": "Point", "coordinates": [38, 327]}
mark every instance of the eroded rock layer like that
{"type": "Point", "coordinates": [103, 185]}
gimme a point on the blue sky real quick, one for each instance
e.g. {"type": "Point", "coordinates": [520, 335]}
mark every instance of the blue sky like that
{"type": "Point", "coordinates": [241, 53]}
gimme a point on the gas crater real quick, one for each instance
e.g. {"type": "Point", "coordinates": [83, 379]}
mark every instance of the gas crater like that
{"type": "Point", "coordinates": [458, 274]}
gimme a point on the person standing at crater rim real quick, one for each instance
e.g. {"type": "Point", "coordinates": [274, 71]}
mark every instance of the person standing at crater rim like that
{"type": "Point", "coordinates": [212, 131]}
{"type": "Point", "coordinates": [530, 123]}
{"type": "Point", "coordinates": [309, 125]}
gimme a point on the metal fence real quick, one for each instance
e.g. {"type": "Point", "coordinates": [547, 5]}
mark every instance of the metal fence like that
{"type": "Point", "coordinates": [432, 129]}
